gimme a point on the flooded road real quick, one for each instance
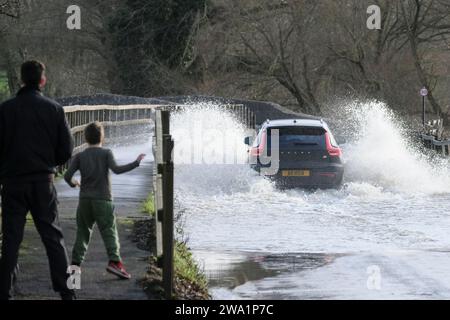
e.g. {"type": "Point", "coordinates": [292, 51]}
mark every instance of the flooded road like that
{"type": "Point", "coordinates": [384, 235]}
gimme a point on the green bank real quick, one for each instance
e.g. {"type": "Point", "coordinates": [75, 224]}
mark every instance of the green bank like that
{"type": "Point", "coordinates": [189, 281]}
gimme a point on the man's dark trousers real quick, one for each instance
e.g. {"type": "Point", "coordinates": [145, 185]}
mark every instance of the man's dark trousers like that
{"type": "Point", "coordinates": [40, 199]}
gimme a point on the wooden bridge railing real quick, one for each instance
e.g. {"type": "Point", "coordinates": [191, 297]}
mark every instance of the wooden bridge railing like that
{"type": "Point", "coordinates": [116, 117]}
{"type": "Point", "coordinates": [112, 117]}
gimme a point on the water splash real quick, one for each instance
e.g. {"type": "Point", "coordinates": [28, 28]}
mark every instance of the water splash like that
{"type": "Point", "coordinates": [393, 197]}
{"type": "Point", "coordinates": [380, 158]}
{"type": "Point", "coordinates": [381, 154]}
{"type": "Point", "coordinates": [210, 155]}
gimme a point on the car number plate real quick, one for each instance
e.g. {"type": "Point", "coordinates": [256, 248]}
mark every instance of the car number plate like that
{"type": "Point", "coordinates": [296, 173]}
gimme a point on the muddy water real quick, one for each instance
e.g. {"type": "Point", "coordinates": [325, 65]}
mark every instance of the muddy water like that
{"type": "Point", "coordinates": [255, 241]}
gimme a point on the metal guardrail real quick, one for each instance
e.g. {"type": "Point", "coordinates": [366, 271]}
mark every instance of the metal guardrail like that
{"type": "Point", "coordinates": [434, 128]}
{"type": "Point", "coordinates": [432, 143]}
{"type": "Point", "coordinates": [432, 137]}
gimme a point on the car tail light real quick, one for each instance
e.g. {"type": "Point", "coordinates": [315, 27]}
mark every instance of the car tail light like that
{"type": "Point", "coordinates": [332, 150]}
{"type": "Point", "coordinates": [258, 151]}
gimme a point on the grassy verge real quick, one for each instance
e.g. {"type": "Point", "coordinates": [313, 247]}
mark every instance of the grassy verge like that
{"type": "Point", "coordinates": [189, 283]}
{"type": "Point", "coordinates": [187, 272]}
{"type": "Point", "coordinates": [148, 206]}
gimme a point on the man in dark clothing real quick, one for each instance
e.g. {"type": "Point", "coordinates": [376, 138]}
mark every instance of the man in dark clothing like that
{"type": "Point", "coordinates": [34, 139]}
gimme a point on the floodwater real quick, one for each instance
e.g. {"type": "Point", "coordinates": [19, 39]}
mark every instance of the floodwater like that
{"type": "Point", "coordinates": [384, 235]}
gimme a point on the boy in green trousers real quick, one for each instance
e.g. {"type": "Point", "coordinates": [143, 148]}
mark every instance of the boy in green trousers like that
{"type": "Point", "coordinates": [95, 204]}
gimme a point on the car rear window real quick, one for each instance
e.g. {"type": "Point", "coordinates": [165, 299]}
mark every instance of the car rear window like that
{"type": "Point", "coordinates": [300, 137]}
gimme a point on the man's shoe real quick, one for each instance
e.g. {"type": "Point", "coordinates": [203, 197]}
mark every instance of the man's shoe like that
{"type": "Point", "coordinates": [70, 295]}
{"type": "Point", "coordinates": [116, 268]}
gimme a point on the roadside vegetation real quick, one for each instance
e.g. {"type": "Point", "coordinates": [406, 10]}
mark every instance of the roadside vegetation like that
{"type": "Point", "coordinates": [148, 206]}
{"type": "Point", "coordinates": [189, 282]}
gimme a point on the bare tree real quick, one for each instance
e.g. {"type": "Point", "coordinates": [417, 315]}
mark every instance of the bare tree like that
{"type": "Point", "coordinates": [276, 41]}
{"type": "Point", "coordinates": [426, 25]}
{"type": "Point", "coordinates": [316, 50]}
{"type": "Point", "coordinates": [10, 8]}
{"type": "Point", "coordinates": [356, 52]}
{"type": "Point", "coordinates": [78, 61]}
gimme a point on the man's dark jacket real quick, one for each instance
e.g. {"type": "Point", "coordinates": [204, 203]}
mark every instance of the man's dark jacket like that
{"type": "Point", "coordinates": [34, 137]}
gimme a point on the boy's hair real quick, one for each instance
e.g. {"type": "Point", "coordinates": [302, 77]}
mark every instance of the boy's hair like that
{"type": "Point", "coordinates": [94, 133]}
{"type": "Point", "coordinates": [31, 72]}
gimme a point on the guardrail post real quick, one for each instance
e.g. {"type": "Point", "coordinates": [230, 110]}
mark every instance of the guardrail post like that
{"type": "Point", "coordinates": [163, 192]}
{"type": "Point", "coordinates": [157, 182]}
{"type": "Point", "coordinates": [168, 224]}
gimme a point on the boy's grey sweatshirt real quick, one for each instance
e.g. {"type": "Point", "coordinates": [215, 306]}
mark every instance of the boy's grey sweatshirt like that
{"type": "Point", "coordinates": [94, 164]}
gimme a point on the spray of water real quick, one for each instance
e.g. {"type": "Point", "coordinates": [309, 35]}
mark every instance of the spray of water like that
{"type": "Point", "coordinates": [381, 155]}
{"type": "Point", "coordinates": [211, 155]}
{"type": "Point", "coordinates": [231, 206]}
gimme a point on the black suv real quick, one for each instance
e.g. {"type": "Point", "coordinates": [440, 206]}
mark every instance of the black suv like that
{"type": "Point", "coordinates": [308, 154]}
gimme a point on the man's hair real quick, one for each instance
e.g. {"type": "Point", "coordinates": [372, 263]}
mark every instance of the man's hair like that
{"type": "Point", "coordinates": [94, 133]}
{"type": "Point", "coordinates": [31, 72]}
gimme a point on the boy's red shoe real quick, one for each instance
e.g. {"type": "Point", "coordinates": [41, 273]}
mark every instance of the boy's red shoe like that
{"type": "Point", "coordinates": [118, 269]}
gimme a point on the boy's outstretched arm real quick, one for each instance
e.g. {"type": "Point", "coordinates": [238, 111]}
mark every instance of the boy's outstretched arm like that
{"type": "Point", "coordinates": [73, 167]}
{"type": "Point", "coordinates": [125, 168]}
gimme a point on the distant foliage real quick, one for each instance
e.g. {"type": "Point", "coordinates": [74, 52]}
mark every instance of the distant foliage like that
{"type": "Point", "coordinates": [152, 43]}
